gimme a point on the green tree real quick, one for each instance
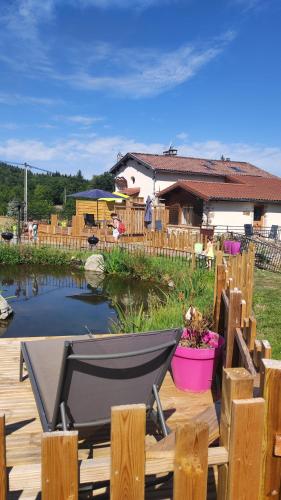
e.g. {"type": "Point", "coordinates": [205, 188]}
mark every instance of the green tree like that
{"type": "Point", "coordinates": [104, 181]}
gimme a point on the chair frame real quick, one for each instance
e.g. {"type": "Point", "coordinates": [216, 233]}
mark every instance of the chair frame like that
{"type": "Point", "coordinates": [60, 420]}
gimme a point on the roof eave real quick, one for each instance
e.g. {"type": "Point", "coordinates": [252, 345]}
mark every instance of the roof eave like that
{"type": "Point", "coordinates": [123, 160]}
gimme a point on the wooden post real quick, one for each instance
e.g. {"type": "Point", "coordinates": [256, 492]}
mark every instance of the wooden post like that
{"type": "Point", "coordinates": [3, 471]}
{"type": "Point", "coordinates": [245, 449]}
{"type": "Point", "coordinates": [60, 465]}
{"type": "Point", "coordinates": [237, 383]}
{"type": "Point", "coordinates": [234, 321]}
{"type": "Point", "coordinates": [220, 285]}
{"type": "Point", "coordinates": [271, 391]}
{"type": "Point", "coordinates": [191, 462]}
{"type": "Point", "coordinates": [127, 452]}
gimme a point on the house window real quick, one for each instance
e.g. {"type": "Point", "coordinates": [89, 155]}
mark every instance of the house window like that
{"type": "Point", "coordinates": [174, 215]}
{"type": "Point", "coordinates": [186, 215]}
{"type": "Point", "coordinates": [133, 179]}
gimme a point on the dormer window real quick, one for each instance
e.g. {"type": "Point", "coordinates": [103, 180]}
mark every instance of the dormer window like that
{"type": "Point", "coordinates": [133, 179]}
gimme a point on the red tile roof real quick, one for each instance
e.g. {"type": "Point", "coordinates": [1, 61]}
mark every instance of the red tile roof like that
{"type": "Point", "coordinates": [130, 191]}
{"type": "Point", "coordinates": [248, 188]}
{"type": "Point", "coordinates": [196, 165]}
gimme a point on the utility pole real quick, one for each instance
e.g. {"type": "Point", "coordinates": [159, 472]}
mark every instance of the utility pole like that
{"type": "Point", "coordinates": [25, 193]}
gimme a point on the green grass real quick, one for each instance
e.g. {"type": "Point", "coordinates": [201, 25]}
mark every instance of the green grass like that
{"type": "Point", "coordinates": [267, 309]}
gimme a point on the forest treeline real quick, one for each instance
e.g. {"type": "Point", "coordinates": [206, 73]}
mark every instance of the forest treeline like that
{"type": "Point", "coordinates": [47, 193]}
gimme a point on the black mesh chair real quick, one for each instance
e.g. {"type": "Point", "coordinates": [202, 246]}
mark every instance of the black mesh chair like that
{"type": "Point", "coordinates": [273, 232]}
{"type": "Point", "coordinates": [76, 381]}
{"type": "Point", "coordinates": [89, 220]}
{"type": "Point", "coordinates": [248, 229]}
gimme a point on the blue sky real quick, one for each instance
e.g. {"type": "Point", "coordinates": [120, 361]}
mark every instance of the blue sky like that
{"type": "Point", "coordinates": [82, 80]}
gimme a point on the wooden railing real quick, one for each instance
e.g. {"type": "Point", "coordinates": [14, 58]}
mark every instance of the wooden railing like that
{"type": "Point", "coordinates": [247, 459]}
{"type": "Point", "coordinates": [234, 318]}
{"type": "Point", "coordinates": [185, 453]}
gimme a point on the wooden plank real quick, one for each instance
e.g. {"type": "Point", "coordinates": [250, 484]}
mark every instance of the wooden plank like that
{"type": "Point", "coordinates": [244, 353]}
{"type": "Point", "coordinates": [277, 445]}
{"type": "Point", "coordinates": [158, 461]}
{"type": "Point", "coordinates": [243, 312]}
{"type": "Point", "coordinates": [237, 383]}
{"type": "Point", "coordinates": [252, 333]}
{"type": "Point", "coordinates": [3, 471]}
{"type": "Point", "coordinates": [265, 349]}
{"type": "Point", "coordinates": [127, 452]}
{"type": "Point", "coordinates": [245, 449]}
{"type": "Point", "coordinates": [191, 462]}
{"type": "Point", "coordinates": [234, 321]}
{"type": "Point", "coordinates": [271, 390]}
{"type": "Point", "coordinates": [60, 465]}
{"type": "Point", "coordinates": [220, 284]}
{"type": "Point", "coordinates": [257, 354]}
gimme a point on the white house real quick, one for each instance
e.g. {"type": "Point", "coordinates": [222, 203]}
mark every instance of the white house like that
{"type": "Point", "coordinates": [201, 191]}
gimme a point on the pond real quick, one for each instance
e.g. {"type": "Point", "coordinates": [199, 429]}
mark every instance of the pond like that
{"type": "Point", "coordinates": [48, 302]}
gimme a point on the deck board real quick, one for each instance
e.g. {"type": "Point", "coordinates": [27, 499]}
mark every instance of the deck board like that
{"type": "Point", "coordinates": [23, 427]}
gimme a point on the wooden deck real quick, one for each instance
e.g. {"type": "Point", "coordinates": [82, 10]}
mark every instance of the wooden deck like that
{"type": "Point", "coordinates": [23, 427]}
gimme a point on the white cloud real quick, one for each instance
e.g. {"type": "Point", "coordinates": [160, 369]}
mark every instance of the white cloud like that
{"type": "Point", "coordinates": [183, 136]}
{"type": "Point", "coordinates": [94, 154]}
{"type": "Point", "coordinates": [85, 121]}
{"type": "Point", "coordinates": [149, 73]}
{"type": "Point", "coordinates": [15, 99]}
{"type": "Point", "coordinates": [132, 72]}
{"type": "Point", "coordinates": [123, 4]}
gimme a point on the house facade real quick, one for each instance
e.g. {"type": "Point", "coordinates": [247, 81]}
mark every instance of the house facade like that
{"type": "Point", "coordinates": [150, 174]}
{"type": "Point", "coordinates": [237, 201]}
{"type": "Point", "coordinates": [201, 191]}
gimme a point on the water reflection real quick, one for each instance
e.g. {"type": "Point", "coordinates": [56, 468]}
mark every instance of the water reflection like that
{"type": "Point", "coordinates": [51, 302]}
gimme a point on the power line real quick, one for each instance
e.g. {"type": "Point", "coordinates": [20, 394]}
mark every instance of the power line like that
{"type": "Point", "coordinates": [26, 167]}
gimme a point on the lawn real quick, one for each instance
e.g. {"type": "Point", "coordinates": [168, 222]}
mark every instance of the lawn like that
{"type": "Point", "coordinates": [267, 309]}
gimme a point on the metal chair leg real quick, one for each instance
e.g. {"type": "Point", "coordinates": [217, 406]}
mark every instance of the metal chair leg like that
{"type": "Point", "coordinates": [21, 367]}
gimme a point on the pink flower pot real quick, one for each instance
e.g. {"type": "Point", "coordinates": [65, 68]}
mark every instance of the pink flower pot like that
{"type": "Point", "coordinates": [227, 245]}
{"type": "Point", "coordinates": [235, 247]}
{"type": "Point", "coordinates": [193, 369]}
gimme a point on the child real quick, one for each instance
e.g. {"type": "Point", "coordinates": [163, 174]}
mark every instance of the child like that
{"type": "Point", "coordinates": [209, 252]}
{"type": "Point", "coordinates": [115, 224]}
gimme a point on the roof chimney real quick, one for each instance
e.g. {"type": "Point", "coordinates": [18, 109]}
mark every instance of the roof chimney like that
{"type": "Point", "coordinates": [170, 152]}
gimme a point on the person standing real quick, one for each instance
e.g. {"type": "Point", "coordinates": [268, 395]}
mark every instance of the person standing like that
{"type": "Point", "coordinates": [30, 230]}
{"type": "Point", "coordinates": [35, 230]}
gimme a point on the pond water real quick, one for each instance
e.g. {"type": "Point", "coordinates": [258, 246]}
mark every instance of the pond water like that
{"type": "Point", "coordinates": [48, 302]}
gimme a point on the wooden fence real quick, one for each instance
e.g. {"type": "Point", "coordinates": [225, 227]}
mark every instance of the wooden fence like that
{"type": "Point", "coordinates": [158, 240]}
{"type": "Point", "coordinates": [234, 319]}
{"type": "Point", "coordinates": [185, 453]}
{"type": "Point", "coordinates": [246, 463]}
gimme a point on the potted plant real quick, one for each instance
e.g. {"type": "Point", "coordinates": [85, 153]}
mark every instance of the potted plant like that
{"type": "Point", "coordinates": [195, 360]}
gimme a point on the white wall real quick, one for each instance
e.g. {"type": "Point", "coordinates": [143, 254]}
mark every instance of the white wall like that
{"type": "Point", "coordinates": [229, 213]}
{"type": "Point", "coordinates": [272, 215]}
{"type": "Point", "coordinates": [144, 178]}
{"type": "Point", "coordinates": [166, 179]}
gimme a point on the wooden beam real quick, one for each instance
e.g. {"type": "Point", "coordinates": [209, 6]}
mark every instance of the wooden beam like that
{"type": "Point", "coordinates": [191, 462]}
{"type": "Point", "coordinates": [59, 465]}
{"type": "Point", "coordinates": [3, 471]}
{"type": "Point", "coordinates": [237, 383]}
{"type": "Point", "coordinates": [265, 349]}
{"type": "Point", "coordinates": [257, 354]}
{"type": "Point", "coordinates": [127, 452]}
{"type": "Point", "coordinates": [252, 333]}
{"type": "Point", "coordinates": [271, 391]}
{"type": "Point", "coordinates": [244, 352]}
{"type": "Point", "coordinates": [245, 449]}
{"type": "Point", "coordinates": [158, 461]}
{"type": "Point", "coordinates": [277, 445]}
{"type": "Point", "coordinates": [234, 321]}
